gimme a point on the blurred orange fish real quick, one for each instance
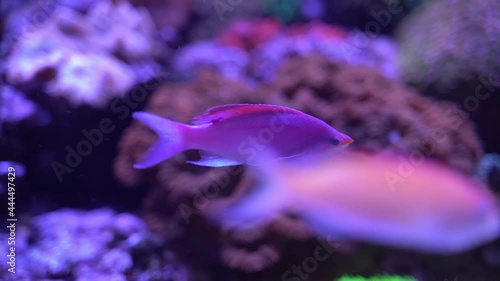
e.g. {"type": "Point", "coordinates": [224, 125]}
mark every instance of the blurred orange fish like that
{"type": "Point", "coordinates": [358, 197]}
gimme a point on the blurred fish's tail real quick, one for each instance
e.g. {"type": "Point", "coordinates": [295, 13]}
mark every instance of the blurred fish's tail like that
{"type": "Point", "coordinates": [170, 141]}
{"type": "Point", "coordinates": [264, 203]}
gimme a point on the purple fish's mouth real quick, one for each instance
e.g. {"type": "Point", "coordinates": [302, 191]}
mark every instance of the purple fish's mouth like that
{"type": "Point", "coordinates": [346, 140]}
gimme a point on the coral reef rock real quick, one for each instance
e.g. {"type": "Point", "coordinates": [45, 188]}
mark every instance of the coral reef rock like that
{"type": "Point", "coordinates": [378, 113]}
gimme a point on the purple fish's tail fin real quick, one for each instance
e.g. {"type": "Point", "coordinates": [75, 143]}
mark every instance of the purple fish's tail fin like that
{"type": "Point", "coordinates": [170, 141]}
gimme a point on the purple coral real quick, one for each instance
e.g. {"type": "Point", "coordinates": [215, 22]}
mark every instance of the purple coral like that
{"type": "Point", "coordinates": [14, 106]}
{"type": "Point", "coordinates": [230, 61]}
{"type": "Point", "coordinates": [256, 48]}
{"type": "Point", "coordinates": [377, 52]}
{"type": "Point", "coordinates": [90, 245]}
{"type": "Point", "coordinates": [88, 59]}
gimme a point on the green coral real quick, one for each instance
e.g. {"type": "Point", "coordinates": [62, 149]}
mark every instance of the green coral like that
{"type": "Point", "coordinates": [444, 42]}
{"type": "Point", "coordinates": [285, 10]}
{"type": "Point", "coordinates": [377, 278]}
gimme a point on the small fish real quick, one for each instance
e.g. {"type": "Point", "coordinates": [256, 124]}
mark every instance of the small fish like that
{"type": "Point", "coordinates": [379, 199]}
{"type": "Point", "coordinates": [235, 134]}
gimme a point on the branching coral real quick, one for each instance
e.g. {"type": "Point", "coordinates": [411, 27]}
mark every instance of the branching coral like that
{"type": "Point", "coordinates": [88, 59]}
{"type": "Point", "coordinates": [359, 101]}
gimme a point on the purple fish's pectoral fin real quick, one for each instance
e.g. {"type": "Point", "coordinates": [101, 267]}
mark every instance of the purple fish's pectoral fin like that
{"type": "Point", "coordinates": [210, 160]}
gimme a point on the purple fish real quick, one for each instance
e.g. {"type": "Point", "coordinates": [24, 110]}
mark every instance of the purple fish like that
{"type": "Point", "coordinates": [235, 134]}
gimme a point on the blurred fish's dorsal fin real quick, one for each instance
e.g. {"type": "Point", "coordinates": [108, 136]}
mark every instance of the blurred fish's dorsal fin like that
{"type": "Point", "coordinates": [227, 111]}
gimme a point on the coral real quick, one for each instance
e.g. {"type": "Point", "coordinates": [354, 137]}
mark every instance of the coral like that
{"type": "Point", "coordinates": [19, 168]}
{"type": "Point", "coordinates": [354, 100]}
{"type": "Point", "coordinates": [491, 254]}
{"type": "Point", "coordinates": [5, 168]}
{"type": "Point", "coordinates": [442, 50]}
{"type": "Point", "coordinates": [89, 59]}
{"type": "Point", "coordinates": [228, 60]}
{"type": "Point", "coordinates": [14, 106]}
{"type": "Point", "coordinates": [312, 9]}
{"type": "Point", "coordinates": [257, 52]}
{"type": "Point", "coordinates": [169, 16]}
{"type": "Point", "coordinates": [488, 171]}
{"type": "Point", "coordinates": [248, 34]}
{"type": "Point", "coordinates": [332, 42]}
{"type": "Point", "coordinates": [285, 11]}
{"type": "Point", "coordinates": [121, 29]}
{"type": "Point", "coordinates": [456, 57]}
{"type": "Point", "coordinates": [19, 17]}
{"type": "Point", "coordinates": [215, 15]}
{"type": "Point", "coordinates": [90, 245]}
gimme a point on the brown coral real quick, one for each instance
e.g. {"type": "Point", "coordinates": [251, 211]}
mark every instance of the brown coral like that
{"type": "Point", "coordinates": [376, 112]}
{"type": "Point", "coordinates": [359, 101]}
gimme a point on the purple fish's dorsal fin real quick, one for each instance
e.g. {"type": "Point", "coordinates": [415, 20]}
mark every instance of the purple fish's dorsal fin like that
{"type": "Point", "coordinates": [227, 111]}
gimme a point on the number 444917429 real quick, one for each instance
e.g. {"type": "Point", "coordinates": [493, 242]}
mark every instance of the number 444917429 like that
{"type": "Point", "coordinates": [11, 176]}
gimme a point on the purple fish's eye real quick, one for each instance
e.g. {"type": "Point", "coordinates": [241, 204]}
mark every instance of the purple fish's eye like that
{"type": "Point", "coordinates": [334, 142]}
